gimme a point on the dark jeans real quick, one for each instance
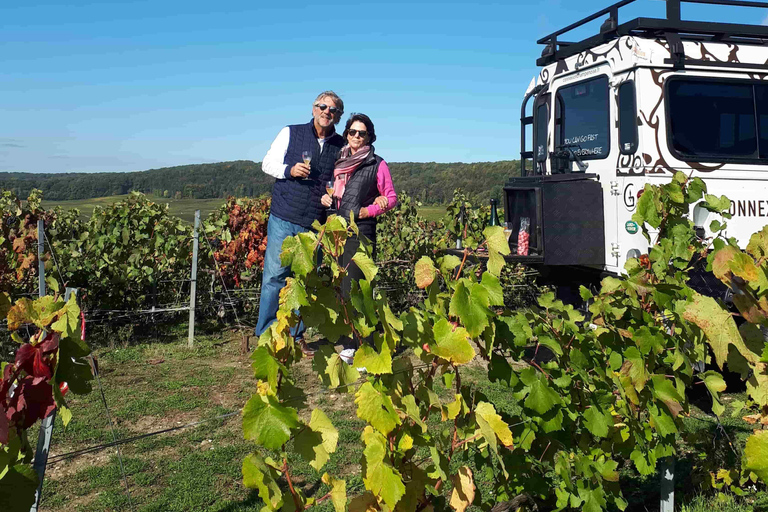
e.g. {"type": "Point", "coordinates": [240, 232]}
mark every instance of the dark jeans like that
{"type": "Point", "coordinates": [273, 278]}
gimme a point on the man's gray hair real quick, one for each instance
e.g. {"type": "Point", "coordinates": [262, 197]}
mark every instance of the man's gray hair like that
{"type": "Point", "coordinates": [335, 97]}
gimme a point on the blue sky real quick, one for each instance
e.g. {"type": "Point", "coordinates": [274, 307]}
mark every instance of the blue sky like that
{"type": "Point", "coordinates": [133, 85]}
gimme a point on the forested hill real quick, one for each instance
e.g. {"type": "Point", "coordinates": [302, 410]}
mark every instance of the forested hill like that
{"type": "Point", "coordinates": [430, 182]}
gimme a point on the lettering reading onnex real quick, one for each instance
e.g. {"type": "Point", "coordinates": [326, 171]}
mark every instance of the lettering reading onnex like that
{"type": "Point", "coordinates": [749, 208]}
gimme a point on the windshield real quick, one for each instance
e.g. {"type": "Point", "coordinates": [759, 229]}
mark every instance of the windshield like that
{"type": "Point", "coordinates": [718, 120]}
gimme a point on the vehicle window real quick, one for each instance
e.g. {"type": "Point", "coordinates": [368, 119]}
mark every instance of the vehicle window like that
{"type": "Point", "coordinates": [761, 102]}
{"type": "Point", "coordinates": [542, 116]}
{"type": "Point", "coordinates": [584, 118]}
{"type": "Point", "coordinates": [717, 120]}
{"type": "Point", "coordinates": [627, 118]}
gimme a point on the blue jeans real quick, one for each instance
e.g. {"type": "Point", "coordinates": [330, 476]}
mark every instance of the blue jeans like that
{"type": "Point", "coordinates": [273, 278]}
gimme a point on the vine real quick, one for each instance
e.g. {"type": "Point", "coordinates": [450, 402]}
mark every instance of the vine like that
{"type": "Point", "coordinates": [47, 365]}
{"type": "Point", "coordinates": [596, 390]}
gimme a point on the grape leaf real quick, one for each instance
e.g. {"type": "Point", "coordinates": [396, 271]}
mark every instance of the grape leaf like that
{"type": "Point", "coordinates": [470, 304]}
{"type": "Point", "coordinates": [298, 252]}
{"type": "Point", "coordinates": [266, 367]}
{"type": "Point", "coordinates": [267, 422]}
{"type": "Point", "coordinates": [334, 372]}
{"type": "Point", "coordinates": [257, 474]}
{"type": "Point", "coordinates": [452, 343]}
{"type": "Point", "coordinates": [365, 264]}
{"type": "Point", "coordinates": [491, 426]}
{"type": "Point", "coordinates": [293, 295]}
{"type": "Point", "coordinates": [541, 398]}
{"type": "Point", "coordinates": [317, 440]}
{"type": "Point", "coordinates": [597, 421]}
{"type": "Point", "coordinates": [17, 488]}
{"type": "Point", "coordinates": [463, 493]}
{"type": "Point", "coordinates": [719, 327]}
{"type": "Point", "coordinates": [424, 272]}
{"type": "Point", "coordinates": [756, 454]}
{"type": "Point", "coordinates": [448, 264]}
{"type": "Point", "coordinates": [338, 492]}
{"type": "Point", "coordinates": [376, 408]}
{"type": "Point", "coordinates": [664, 390]}
{"type": "Point", "coordinates": [492, 286]}
{"type": "Point", "coordinates": [376, 363]}
{"type": "Point", "coordinates": [716, 385]}
{"type": "Point", "coordinates": [380, 478]}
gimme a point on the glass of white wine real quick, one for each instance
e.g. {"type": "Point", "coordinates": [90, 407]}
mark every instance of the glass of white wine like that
{"type": "Point", "coordinates": [307, 157]}
{"type": "Point", "coordinates": [329, 189]}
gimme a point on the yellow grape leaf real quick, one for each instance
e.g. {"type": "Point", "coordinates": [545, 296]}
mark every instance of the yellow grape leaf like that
{"type": "Point", "coordinates": [424, 272]}
{"type": "Point", "coordinates": [463, 493]}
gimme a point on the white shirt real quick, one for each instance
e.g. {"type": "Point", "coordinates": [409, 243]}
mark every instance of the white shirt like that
{"type": "Point", "coordinates": [273, 160]}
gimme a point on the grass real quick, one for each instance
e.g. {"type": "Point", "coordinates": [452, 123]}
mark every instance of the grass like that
{"type": "Point", "coordinates": [183, 208]}
{"type": "Point", "coordinates": [154, 386]}
{"type": "Point", "coordinates": [432, 213]}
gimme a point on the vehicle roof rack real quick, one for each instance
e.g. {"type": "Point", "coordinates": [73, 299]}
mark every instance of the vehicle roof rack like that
{"type": "Point", "coordinates": [671, 28]}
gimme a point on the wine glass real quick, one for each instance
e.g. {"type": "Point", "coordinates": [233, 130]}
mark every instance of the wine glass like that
{"type": "Point", "coordinates": [307, 157]}
{"type": "Point", "coordinates": [329, 189]}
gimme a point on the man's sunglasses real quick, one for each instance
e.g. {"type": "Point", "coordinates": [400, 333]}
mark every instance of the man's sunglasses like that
{"type": "Point", "coordinates": [332, 110]}
{"type": "Point", "coordinates": [362, 133]}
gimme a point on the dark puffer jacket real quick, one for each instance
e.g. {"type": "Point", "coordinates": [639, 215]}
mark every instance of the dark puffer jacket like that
{"type": "Point", "coordinates": [298, 200]}
{"type": "Point", "coordinates": [361, 190]}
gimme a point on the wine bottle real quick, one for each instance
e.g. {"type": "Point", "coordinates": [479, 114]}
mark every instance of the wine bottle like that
{"type": "Point", "coordinates": [494, 214]}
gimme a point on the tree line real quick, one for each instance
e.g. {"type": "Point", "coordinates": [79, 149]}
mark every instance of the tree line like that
{"type": "Point", "coordinates": [428, 182]}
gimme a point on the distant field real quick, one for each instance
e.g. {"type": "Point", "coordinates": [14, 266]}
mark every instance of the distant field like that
{"type": "Point", "coordinates": [184, 208]}
{"type": "Point", "coordinates": [432, 212]}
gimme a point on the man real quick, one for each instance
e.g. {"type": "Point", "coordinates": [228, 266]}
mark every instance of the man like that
{"type": "Point", "coordinates": [296, 194]}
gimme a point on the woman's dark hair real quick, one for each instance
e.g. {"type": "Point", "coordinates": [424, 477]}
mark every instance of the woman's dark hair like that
{"type": "Point", "coordinates": [366, 121]}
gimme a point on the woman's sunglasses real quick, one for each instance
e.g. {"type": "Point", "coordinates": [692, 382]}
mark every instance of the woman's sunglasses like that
{"type": "Point", "coordinates": [361, 133]}
{"type": "Point", "coordinates": [332, 110]}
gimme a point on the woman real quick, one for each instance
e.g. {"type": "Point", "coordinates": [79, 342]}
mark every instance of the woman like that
{"type": "Point", "coordinates": [363, 186]}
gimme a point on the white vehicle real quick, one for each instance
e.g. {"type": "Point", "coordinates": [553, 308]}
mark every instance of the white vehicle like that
{"type": "Point", "coordinates": [632, 105]}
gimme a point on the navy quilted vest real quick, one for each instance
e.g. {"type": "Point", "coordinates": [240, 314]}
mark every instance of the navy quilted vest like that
{"type": "Point", "coordinates": [298, 200]}
{"type": "Point", "coordinates": [361, 189]}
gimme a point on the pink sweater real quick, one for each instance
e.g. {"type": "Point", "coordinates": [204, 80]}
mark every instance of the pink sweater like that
{"type": "Point", "coordinates": [386, 189]}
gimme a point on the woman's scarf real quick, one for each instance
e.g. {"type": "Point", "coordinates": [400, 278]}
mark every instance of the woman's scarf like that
{"type": "Point", "coordinates": [346, 165]}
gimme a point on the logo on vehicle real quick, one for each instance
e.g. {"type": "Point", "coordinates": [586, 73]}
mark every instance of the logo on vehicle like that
{"type": "Point", "coordinates": [631, 227]}
{"type": "Point", "coordinates": [630, 200]}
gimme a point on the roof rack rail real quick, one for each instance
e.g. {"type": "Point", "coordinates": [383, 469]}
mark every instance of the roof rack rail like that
{"type": "Point", "coordinates": [672, 25]}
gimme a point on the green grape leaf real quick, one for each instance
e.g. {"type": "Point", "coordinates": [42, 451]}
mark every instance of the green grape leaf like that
{"type": "Point", "coordinates": [756, 454]}
{"type": "Point", "coordinates": [471, 306]}
{"type": "Point", "coordinates": [293, 295]}
{"type": "Point", "coordinates": [380, 478]}
{"type": "Point", "coordinates": [758, 244]}
{"type": "Point", "coordinates": [267, 422]}
{"type": "Point", "coordinates": [664, 390]}
{"type": "Point", "coordinates": [424, 272]}
{"type": "Point", "coordinates": [541, 397]}
{"type": "Point", "coordinates": [376, 363]}
{"type": "Point", "coordinates": [492, 426]}
{"type": "Point", "coordinates": [17, 488]}
{"type": "Point", "coordinates": [452, 343]}
{"type": "Point", "coordinates": [493, 288]}
{"type": "Point", "coordinates": [644, 466]}
{"type": "Point", "coordinates": [334, 372]}
{"type": "Point", "coordinates": [716, 385]}
{"type": "Point", "coordinates": [298, 252]}
{"type": "Point", "coordinates": [69, 321]}
{"type": "Point", "coordinates": [338, 492]}
{"type": "Point", "coordinates": [266, 367]}
{"type": "Point", "coordinates": [376, 408]}
{"type": "Point", "coordinates": [5, 304]}
{"type": "Point", "coordinates": [317, 440]}
{"type": "Point", "coordinates": [257, 474]}
{"type": "Point", "coordinates": [497, 242]}
{"type": "Point", "coordinates": [597, 421]}
{"type": "Point", "coordinates": [448, 264]}
{"type": "Point", "coordinates": [634, 368]}
{"type": "Point", "coordinates": [365, 264]}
